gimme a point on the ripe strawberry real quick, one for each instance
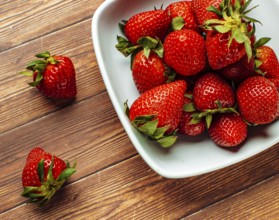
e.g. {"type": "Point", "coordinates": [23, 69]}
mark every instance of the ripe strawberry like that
{"type": "Point", "coordinates": [267, 64]}
{"type": "Point", "coordinates": [157, 112]}
{"type": "Point", "coordinates": [186, 126]}
{"type": "Point", "coordinates": [257, 100]}
{"type": "Point", "coordinates": [200, 8]}
{"type": "Point", "coordinates": [219, 54]}
{"type": "Point", "coordinates": [201, 12]}
{"type": "Point", "coordinates": [43, 174]}
{"type": "Point", "coordinates": [54, 76]}
{"type": "Point", "coordinates": [149, 72]}
{"type": "Point", "coordinates": [154, 23]}
{"type": "Point", "coordinates": [183, 9]}
{"type": "Point", "coordinates": [184, 51]}
{"type": "Point", "coordinates": [209, 89]}
{"type": "Point", "coordinates": [228, 130]}
{"type": "Point", "coordinates": [239, 70]}
{"type": "Point", "coordinates": [229, 37]}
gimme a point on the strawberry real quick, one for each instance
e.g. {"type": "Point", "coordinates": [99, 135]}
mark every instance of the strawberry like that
{"type": "Point", "coordinates": [184, 51]}
{"type": "Point", "coordinates": [183, 9]}
{"type": "Point", "coordinates": [202, 10]}
{"type": "Point", "coordinates": [267, 64]}
{"type": "Point", "coordinates": [228, 130]}
{"type": "Point", "coordinates": [154, 23]}
{"type": "Point", "coordinates": [239, 70]}
{"type": "Point", "coordinates": [157, 112]}
{"type": "Point", "coordinates": [186, 126]}
{"type": "Point", "coordinates": [229, 38]}
{"type": "Point", "coordinates": [149, 72]}
{"type": "Point", "coordinates": [54, 76]}
{"type": "Point", "coordinates": [257, 100]}
{"type": "Point", "coordinates": [211, 88]}
{"type": "Point", "coordinates": [43, 174]}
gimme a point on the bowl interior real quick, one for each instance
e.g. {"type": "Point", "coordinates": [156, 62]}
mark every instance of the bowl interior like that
{"type": "Point", "coordinates": [189, 156]}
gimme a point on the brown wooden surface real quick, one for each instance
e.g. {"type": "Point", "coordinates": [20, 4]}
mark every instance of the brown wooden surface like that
{"type": "Point", "coordinates": [112, 182]}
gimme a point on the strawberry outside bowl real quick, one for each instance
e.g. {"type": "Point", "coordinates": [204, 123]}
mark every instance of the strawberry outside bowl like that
{"type": "Point", "coordinates": [190, 156]}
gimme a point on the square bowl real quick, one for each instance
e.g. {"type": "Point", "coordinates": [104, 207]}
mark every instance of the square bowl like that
{"type": "Point", "coordinates": [190, 156]}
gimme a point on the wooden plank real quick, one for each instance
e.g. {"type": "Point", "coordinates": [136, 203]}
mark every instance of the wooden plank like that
{"type": "Point", "coordinates": [18, 98]}
{"type": "Point", "coordinates": [24, 21]}
{"type": "Point", "coordinates": [89, 132]}
{"type": "Point", "coordinates": [130, 190]}
{"type": "Point", "coordinates": [258, 202]}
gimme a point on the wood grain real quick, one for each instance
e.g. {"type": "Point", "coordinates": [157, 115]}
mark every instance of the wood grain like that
{"type": "Point", "coordinates": [23, 21]}
{"type": "Point", "coordinates": [130, 190]}
{"type": "Point", "coordinates": [17, 98]}
{"type": "Point", "coordinates": [258, 202]}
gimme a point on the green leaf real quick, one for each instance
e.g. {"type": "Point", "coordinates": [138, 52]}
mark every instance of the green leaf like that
{"type": "Point", "coordinates": [159, 49]}
{"type": "Point", "coordinates": [45, 55]}
{"type": "Point", "coordinates": [208, 120]}
{"type": "Point", "coordinates": [222, 29]}
{"type": "Point", "coordinates": [122, 26]}
{"type": "Point", "coordinates": [189, 107]}
{"type": "Point", "coordinates": [26, 73]}
{"type": "Point", "coordinates": [214, 10]}
{"type": "Point", "coordinates": [29, 189]}
{"type": "Point", "coordinates": [195, 121]}
{"type": "Point", "coordinates": [160, 132]}
{"type": "Point", "coordinates": [177, 23]}
{"type": "Point", "coordinates": [142, 119]}
{"type": "Point", "coordinates": [248, 47]}
{"type": "Point", "coordinates": [149, 127]}
{"type": "Point", "coordinates": [36, 62]}
{"type": "Point", "coordinates": [66, 174]}
{"type": "Point", "coordinates": [34, 195]}
{"type": "Point", "coordinates": [167, 142]}
{"type": "Point", "coordinates": [258, 63]}
{"type": "Point", "coordinates": [126, 108]}
{"type": "Point", "coordinates": [261, 42]}
{"type": "Point", "coordinates": [40, 168]}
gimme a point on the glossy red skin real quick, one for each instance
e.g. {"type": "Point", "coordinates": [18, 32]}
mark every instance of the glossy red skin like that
{"type": "Point", "coordinates": [190, 129]}
{"type": "Point", "coordinates": [153, 23]}
{"type": "Point", "coordinates": [270, 64]}
{"type": "Point", "coordinates": [184, 51]}
{"type": "Point", "coordinates": [165, 101]}
{"type": "Point", "coordinates": [148, 72]}
{"type": "Point", "coordinates": [257, 100]}
{"type": "Point", "coordinates": [210, 88]}
{"type": "Point", "coordinates": [59, 79]}
{"type": "Point", "coordinates": [200, 9]}
{"type": "Point", "coordinates": [239, 70]}
{"type": "Point", "coordinates": [30, 173]}
{"type": "Point", "coordinates": [228, 130]}
{"type": "Point", "coordinates": [219, 54]}
{"type": "Point", "coordinates": [184, 10]}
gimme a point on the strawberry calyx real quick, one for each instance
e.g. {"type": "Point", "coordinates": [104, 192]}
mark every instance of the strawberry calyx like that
{"type": "Point", "coordinates": [42, 194]}
{"type": "Point", "coordinates": [148, 125]}
{"type": "Point", "coordinates": [36, 68]}
{"type": "Point", "coordinates": [177, 23]}
{"type": "Point", "coordinates": [207, 114]}
{"type": "Point", "coordinates": [233, 20]}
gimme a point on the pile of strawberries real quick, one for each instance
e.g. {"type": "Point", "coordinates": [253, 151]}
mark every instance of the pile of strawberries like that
{"type": "Point", "coordinates": [199, 67]}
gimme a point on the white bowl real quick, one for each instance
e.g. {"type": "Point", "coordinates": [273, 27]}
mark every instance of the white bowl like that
{"type": "Point", "coordinates": [189, 156]}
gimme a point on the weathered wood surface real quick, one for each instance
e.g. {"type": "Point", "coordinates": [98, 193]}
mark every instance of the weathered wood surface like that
{"type": "Point", "coordinates": [112, 182]}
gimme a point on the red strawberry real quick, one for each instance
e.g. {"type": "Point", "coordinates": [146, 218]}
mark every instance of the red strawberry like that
{"type": "Point", "coordinates": [257, 100]}
{"type": "Point", "coordinates": [228, 130]}
{"type": "Point", "coordinates": [158, 111]}
{"type": "Point", "coordinates": [209, 89]}
{"type": "Point", "coordinates": [54, 76]}
{"type": "Point", "coordinates": [186, 126]}
{"type": "Point", "coordinates": [200, 8]}
{"type": "Point", "coordinates": [148, 72]}
{"type": "Point", "coordinates": [184, 51]}
{"type": "Point", "coordinates": [267, 64]}
{"type": "Point", "coordinates": [239, 70]}
{"type": "Point", "coordinates": [154, 23]}
{"type": "Point", "coordinates": [43, 175]}
{"type": "Point", "coordinates": [183, 9]}
{"type": "Point", "coordinates": [219, 54]}
{"type": "Point", "coordinates": [201, 12]}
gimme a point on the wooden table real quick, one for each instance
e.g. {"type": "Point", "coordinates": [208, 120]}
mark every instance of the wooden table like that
{"type": "Point", "coordinates": [112, 181]}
